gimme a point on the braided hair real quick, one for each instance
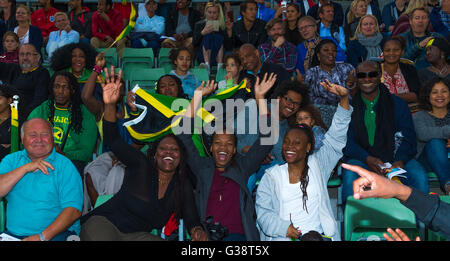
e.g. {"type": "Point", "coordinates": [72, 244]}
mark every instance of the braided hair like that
{"type": "Point", "coordinates": [75, 114]}
{"type": "Point", "coordinates": [304, 178]}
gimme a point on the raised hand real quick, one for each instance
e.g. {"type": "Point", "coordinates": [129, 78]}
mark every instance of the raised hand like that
{"type": "Point", "coordinates": [397, 235]}
{"type": "Point", "coordinates": [100, 60]}
{"type": "Point", "coordinates": [261, 88]}
{"type": "Point", "coordinates": [111, 86]}
{"type": "Point", "coordinates": [131, 97]}
{"type": "Point", "coordinates": [334, 88]}
{"type": "Point", "coordinates": [207, 88]}
{"type": "Point", "coordinates": [300, 77]}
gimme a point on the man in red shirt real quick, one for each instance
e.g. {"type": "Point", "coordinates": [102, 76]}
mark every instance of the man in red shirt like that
{"type": "Point", "coordinates": [44, 18]}
{"type": "Point", "coordinates": [107, 24]}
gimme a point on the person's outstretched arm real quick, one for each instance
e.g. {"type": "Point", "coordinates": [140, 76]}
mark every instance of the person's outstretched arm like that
{"type": "Point", "coordinates": [428, 208]}
{"type": "Point", "coordinates": [87, 94]}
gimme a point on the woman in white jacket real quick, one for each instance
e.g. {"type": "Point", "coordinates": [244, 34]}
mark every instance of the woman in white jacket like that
{"type": "Point", "coordinates": [293, 197]}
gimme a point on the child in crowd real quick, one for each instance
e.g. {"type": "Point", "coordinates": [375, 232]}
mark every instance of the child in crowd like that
{"type": "Point", "coordinates": [310, 116]}
{"type": "Point", "coordinates": [181, 59]}
{"type": "Point", "coordinates": [11, 48]}
{"type": "Point", "coordinates": [233, 67]}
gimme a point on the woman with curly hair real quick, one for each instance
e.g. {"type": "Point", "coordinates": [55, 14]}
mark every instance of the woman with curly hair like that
{"type": "Point", "coordinates": [74, 128]}
{"type": "Point", "coordinates": [432, 126]}
{"type": "Point", "coordinates": [81, 65]}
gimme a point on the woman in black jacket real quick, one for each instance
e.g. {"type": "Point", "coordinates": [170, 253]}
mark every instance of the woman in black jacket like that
{"type": "Point", "coordinates": [155, 191]}
{"type": "Point", "coordinates": [221, 190]}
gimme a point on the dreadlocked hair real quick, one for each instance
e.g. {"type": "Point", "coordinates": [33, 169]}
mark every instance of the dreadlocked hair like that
{"type": "Point", "coordinates": [304, 179]}
{"type": "Point", "coordinates": [76, 117]}
{"type": "Point", "coordinates": [180, 173]}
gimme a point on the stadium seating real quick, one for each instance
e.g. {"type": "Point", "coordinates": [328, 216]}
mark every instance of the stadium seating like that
{"type": "Point", "coordinates": [220, 75]}
{"type": "Point", "coordinates": [111, 56]}
{"type": "Point", "coordinates": [102, 199]}
{"type": "Point", "coordinates": [146, 78]}
{"type": "Point", "coordinates": [2, 215]}
{"type": "Point", "coordinates": [201, 74]}
{"type": "Point", "coordinates": [368, 219]}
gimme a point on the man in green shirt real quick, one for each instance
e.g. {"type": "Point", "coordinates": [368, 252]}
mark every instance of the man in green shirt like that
{"type": "Point", "coordinates": [74, 127]}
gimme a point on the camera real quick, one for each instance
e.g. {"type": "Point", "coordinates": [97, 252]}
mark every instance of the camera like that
{"type": "Point", "coordinates": [215, 230]}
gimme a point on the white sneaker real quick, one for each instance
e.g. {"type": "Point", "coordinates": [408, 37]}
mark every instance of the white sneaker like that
{"type": "Point", "coordinates": [205, 66]}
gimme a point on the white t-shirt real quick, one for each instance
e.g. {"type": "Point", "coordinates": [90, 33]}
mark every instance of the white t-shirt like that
{"type": "Point", "coordinates": [291, 207]}
{"type": "Point", "coordinates": [25, 39]}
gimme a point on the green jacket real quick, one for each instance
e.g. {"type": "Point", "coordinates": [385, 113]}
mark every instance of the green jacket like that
{"type": "Point", "coordinates": [79, 146]}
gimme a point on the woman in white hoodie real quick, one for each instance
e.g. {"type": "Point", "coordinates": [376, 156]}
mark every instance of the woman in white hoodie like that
{"type": "Point", "coordinates": [293, 197]}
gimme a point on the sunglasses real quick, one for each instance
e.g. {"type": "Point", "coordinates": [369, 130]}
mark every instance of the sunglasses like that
{"type": "Point", "coordinates": [362, 75]}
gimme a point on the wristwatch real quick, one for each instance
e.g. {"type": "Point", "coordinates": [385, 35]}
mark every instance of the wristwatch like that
{"type": "Point", "coordinates": [41, 237]}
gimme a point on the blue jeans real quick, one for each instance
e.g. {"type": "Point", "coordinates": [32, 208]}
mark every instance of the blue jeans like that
{"type": "Point", "coordinates": [235, 237]}
{"type": "Point", "coordinates": [60, 237]}
{"type": "Point", "coordinates": [416, 177]}
{"type": "Point", "coordinates": [155, 45]}
{"type": "Point", "coordinates": [434, 158]}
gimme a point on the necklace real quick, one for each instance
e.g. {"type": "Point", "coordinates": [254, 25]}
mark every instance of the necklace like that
{"type": "Point", "coordinates": [440, 72]}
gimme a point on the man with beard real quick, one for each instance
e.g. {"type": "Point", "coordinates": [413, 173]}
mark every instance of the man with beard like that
{"type": "Point", "coordinates": [44, 18]}
{"type": "Point", "coordinates": [28, 77]}
{"type": "Point", "coordinates": [418, 37]}
{"type": "Point", "coordinates": [277, 50]}
{"type": "Point", "coordinates": [250, 58]}
{"type": "Point", "coordinates": [381, 131]}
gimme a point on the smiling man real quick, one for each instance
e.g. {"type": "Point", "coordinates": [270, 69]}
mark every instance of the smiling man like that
{"type": "Point", "coordinates": [378, 120]}
{"type": "Point", "coordinates": [250, 58]}
{"type": "Point", "coordinates": [30, 78]}
{"type": "Point", "coordinates": [277, 50]}
{"type": "Point", "coordinates": [43, 189]}
{"type": "Point", "coordinates": [74, 127]}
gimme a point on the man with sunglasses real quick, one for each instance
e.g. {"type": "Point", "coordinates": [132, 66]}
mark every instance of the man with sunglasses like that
{"type": "Point", "coordinates": [381, 131]}
{"type": "Point", "coordinates": [29, 77]}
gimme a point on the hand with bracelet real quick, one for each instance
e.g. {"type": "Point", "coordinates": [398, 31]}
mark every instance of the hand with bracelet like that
{"type": "Point", "coordinates": [100, 62]}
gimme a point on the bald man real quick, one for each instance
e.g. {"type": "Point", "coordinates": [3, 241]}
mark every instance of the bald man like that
{"type": "Point", "coordinates": [43, 188]}
{"type": "Point", "coordinates": [254, 66]}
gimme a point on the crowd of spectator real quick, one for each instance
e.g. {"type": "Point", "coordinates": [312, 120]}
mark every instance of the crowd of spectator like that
{"type": "Point", "coordinates": [366, 85]}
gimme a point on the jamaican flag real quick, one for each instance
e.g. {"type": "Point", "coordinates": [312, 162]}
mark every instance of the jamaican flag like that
{"type": "Point", "coordinates": [15, 124]}
{"type": "Point", "coordinates": [132, 22]}
{"type": "Point", "coordinates": [155, 118]}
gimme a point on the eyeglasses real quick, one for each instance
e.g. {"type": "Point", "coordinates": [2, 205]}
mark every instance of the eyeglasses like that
{"type": "Point", "coordinates": [362, 75]}
{"type": "Point", "coordinates": [27, 54]}
{"type": "Point", "coordinates": [306, 27]}
{"type": "Point", "coordinates": [292, 102]}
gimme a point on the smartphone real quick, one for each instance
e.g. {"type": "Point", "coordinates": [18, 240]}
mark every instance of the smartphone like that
{"type": "Point", "coordinates": [215, 24]}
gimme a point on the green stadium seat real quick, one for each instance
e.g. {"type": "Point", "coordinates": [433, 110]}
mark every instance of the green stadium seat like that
{"type": "Point", "coordinates": [220, 75]}
{"type": "Point", "coordinates": [102, 199]}
{"type": "Point", "coordinates": [201, 74]}
{"type": "Point", "coordinates": [163, 56]}
{"type": "Point", "coordinates": [138, 55]}
{"type": "Point", "coordinates": [2, 215]}
{"type": "Point", "coordinates": [111, 56]}
{"type": "Point", "coordinates": [372, 216]}
{"type": "Point", "coordinates": [146, 78]}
